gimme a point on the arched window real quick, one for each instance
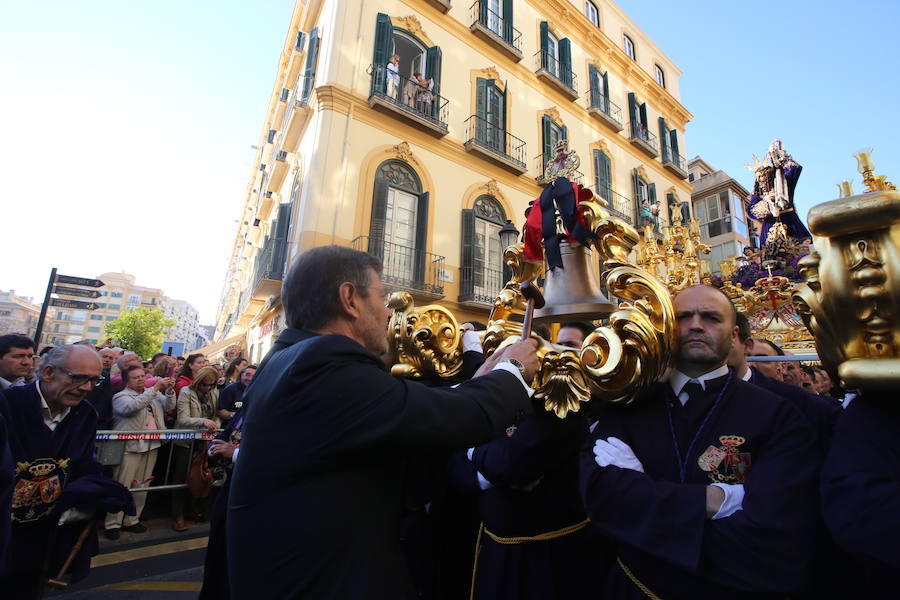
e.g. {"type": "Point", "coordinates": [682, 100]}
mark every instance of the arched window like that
{"type": "Point", "coordinates": [660, 76]}
{"type": "Point", "coordinates": [590, 10]}
{"type": "Point", "coordinates": [399, 223]}
{"type": "Point", "coordinates": [628, 46]}
{"type": "Point", "coordinates": [482, 257]}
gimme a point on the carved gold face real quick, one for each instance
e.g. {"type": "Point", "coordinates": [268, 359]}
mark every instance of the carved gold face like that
{"type": "Point", "coordinates": [850, 299]}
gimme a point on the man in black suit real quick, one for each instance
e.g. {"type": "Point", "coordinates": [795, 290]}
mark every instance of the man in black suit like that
{"type": "Point", "coordinates": [318, 490]}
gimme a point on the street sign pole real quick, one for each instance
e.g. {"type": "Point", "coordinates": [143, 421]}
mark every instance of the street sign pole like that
{"type": "Point", "coordinates": [44, 306]}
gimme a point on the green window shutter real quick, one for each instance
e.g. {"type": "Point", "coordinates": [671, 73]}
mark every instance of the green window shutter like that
{"type": "Point", "coordinates": [565, 61]}
{"type": "Point", "coordinates": [433, 69]}
{"type": "Point", "coordinates": [564, 132]}
{"type": "Point", "coordinates": [384, 45]}
{"type": "Point", "coordinates": [603, 170]}
{"type": "Point", "coordinates": [502, 136]}
{"type": "Point", "coordinates": [664, 138]}
{"type": "Point", "coordinates": [483, 12]}
{"type": "Point", "coordinates": [643, 111]}
{"type": "Point", "coordinates": [546, 124]}
{"type": "Point", "coordinates": [507, 20]}
{"type": "Point", "coordinates": [606, 86]}
{"type": "Point", "coordinates": [636, 182]}
{"type": "Point", "coordinates": [545, 43]}
{"type": "Point", "coordinates": [301, 40]}
{"type": "Point", "coordinates": [379, 215]}
{"type": "Point", "coordinates": [651, 193]}
{"type": "Point", "coordinates": [421, 236]}
{"type": "Point", "coordinates": [673, 142]}
{"type": "Point", "coordinates": [467, 261]}
{"type": "Point", "coordinates": [632, 110]}
{"type": "Point", "coordinates": [594, 80]}
{"type": "Point", "coordinates": [309, 71]}
{"type": "Point", "coordinates": [481, 109]}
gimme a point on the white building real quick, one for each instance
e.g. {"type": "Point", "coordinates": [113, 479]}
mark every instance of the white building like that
{"type": "Point", "coordinates": [187, 325]}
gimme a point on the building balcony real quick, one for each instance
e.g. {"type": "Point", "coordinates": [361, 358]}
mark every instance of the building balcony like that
{"type": "Point", "coordinates": [540, 168]}
{"type": "Point", "coordinates": [495, 144]}
{"type": "Point", "coordinates": [405, 268]}
{"type": "Point", "coordinates": [496, 30]}
{"type": "Point", "coordinates": [607, 111]}
{"type": "Point", "coordinates": [643, 139]}
{"type": "Point", "coordinates": [408, 99]}
{"type": "Point", "coordinates": [479, 286]}
{"type": "Point", "coordinates": [556, 74]}
{"type": "Point", "coordinates": [441, 5]}
{"type": "Point", "coordinates": [618, 205]}
{"type": "Point", "coordinates": [269, 270]}
{"type": "Point", "coordinates": [674, 162]}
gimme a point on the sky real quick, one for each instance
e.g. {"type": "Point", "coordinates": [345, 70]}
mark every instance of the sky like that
{"type": "Point", "coordinates": [126, 127]}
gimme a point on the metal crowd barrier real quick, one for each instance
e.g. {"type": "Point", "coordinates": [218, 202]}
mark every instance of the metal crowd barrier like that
{"type": "Point", "coordinates": [785, 358]}
{"type": "Point", "coordinates": [110, 447]}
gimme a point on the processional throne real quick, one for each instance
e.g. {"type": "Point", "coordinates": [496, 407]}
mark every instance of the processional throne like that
{"type": "Point", "coordinates": [568, 236]}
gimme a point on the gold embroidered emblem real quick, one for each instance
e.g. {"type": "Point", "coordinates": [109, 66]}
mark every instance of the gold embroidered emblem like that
{"type": "Point", "coordinates": [726, 464]}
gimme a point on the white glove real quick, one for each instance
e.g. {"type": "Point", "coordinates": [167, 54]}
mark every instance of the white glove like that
{"type": "Point", "coordinates": [733, 502]}
{"type": "Point", "coordinates": [617, 453]}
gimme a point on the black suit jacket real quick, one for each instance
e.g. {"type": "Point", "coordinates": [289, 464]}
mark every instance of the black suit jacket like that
{"type": "Point", "coordinates": [318, 489]}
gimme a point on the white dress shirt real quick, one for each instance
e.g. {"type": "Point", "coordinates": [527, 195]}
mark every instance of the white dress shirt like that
{"type": "Point", "coordinates": [50, 421]}
{"type": "Point", "coordinates": [678, 380]}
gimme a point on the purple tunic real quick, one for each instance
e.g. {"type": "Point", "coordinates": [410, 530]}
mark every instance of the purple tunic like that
{"type": "Point", "coordinates": [657, 520]}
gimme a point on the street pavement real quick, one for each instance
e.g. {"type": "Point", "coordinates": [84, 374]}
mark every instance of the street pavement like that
{"type": "Point", "coordinates": [160, 563]}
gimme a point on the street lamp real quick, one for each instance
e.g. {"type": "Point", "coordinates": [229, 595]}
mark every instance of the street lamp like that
{"type": "Point", "coordinates": [509, 234]}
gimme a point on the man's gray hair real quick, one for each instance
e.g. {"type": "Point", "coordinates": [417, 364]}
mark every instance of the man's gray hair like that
{"type": "Point", "coordinates": [120, 362]}
{"type": "Point", "coordinates": [59, 356]}
{"type": "Point", "coordinates": [310, 289]}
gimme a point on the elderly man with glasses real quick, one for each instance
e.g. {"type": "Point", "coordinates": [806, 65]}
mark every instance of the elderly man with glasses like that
{"type": "Point", "coordinates": [51, 437]}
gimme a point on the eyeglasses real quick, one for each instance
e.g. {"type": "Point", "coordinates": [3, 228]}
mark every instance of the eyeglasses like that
{"type": "Point", "coordinates": [81, 379]}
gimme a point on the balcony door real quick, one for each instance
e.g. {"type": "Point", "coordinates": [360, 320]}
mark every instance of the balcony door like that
{"type": "Point", "coordinates": [397, 233]}
{"type": "Point", "coordinates": [491, 109]}
{"type": "Point", "coordinates": [400, 233]}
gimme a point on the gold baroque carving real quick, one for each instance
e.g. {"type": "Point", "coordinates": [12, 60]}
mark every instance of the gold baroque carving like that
{"type": "Point", "coordinates": [402, 151]}
{"type": "Point", "coordinates": [553, 112]}
{"type": "Point", "coordinates": [488, 73]}
{"type": "Point", "coordinates": [642, 172]}
{"type": "Point", "coordinates": [412, 24]}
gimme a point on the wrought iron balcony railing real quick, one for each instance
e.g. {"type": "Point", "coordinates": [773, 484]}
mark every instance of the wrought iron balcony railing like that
{"type": "Point", "coordinates": [674, 160]}
{"type": "Point", "coordinates": [406, 95]}
{"type": "Point", "coordinates": [270, 261]}
{"type": "Point", "coordinates": [561, 73]}
{"type": "Point", "coordinates": [606, 106]}
{"type": "Point", "coordinates": [496, 141]}
{"type": "Point", "coordinates": [644, 138]}
{"type": "Point", "coordinates": [499, 26]}
{"type": "Point", "coordinates": [618, 205]}
{"type": "Point", "coordinates": [405, 267]}
{"type": "Point", "coordinates": [480, 284]}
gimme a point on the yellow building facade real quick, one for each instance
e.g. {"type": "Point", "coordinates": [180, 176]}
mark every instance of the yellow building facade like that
{"type": "Point", "coordinates": [422, 159]}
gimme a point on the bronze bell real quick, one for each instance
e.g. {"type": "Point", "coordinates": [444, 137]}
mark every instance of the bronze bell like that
{"type": "Point", "coordinates": [571, 293]}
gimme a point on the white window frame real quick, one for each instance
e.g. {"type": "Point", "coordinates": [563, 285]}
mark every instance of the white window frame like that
{"type": "Point", "coordinates": [592, 12]}
{"type": "Point", "coordinates": [628, 44]}
{"type": "Point", "coordinates": [553, 54]}
{"type": "Point", "coordinates": [660, 76]}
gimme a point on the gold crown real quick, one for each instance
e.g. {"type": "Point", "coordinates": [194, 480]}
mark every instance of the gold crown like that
{"type": "Point", "coordinates": [42, 469]}
{"type": "Point", "coordinates": [732, 440]}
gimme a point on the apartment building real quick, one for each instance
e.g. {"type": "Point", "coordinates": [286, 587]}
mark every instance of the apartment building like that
{"type": "Point", "coordinates": [423, 158]}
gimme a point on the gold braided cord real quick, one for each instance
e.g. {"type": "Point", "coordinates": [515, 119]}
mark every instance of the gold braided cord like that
{"type": "Point", "coordinates": [539, 537]}
{"type": "Point", "coordinates": [647, 591]}
{"type": "Point", "coordinates": [475, 562]}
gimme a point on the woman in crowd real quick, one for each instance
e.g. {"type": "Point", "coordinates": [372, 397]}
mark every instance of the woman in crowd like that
{"type": "Point", "coordinates": [232, 372]}
{"type": "Point", "coordinates": [196, 408]}
{"type": "Point", "coordinates": [189, 370]}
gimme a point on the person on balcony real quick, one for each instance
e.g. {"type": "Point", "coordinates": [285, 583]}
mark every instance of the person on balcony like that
{"type": "Point", "coordinates": [393, 76]}
{"type": "Point", "coordinates": [411, 90]}
{"type": "Point", "coordinates": [426, 96]}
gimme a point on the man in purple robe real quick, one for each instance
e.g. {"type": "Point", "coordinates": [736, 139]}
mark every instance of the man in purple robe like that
{"type": "Point", "coordinates": [705, 484]}
{"type": "Point", "coordinates": [51, 430]}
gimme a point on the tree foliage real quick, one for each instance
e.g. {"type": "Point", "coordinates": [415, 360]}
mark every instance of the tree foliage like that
{"type": "Point", "coordinates": [141, 330]}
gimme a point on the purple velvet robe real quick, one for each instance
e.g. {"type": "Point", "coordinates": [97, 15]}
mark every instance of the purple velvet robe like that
{"type": "Point", "coordinates": [792, 221]}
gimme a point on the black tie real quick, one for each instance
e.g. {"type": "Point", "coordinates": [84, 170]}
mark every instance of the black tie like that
{"type": "Point", "coordinates": [694, 390]}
